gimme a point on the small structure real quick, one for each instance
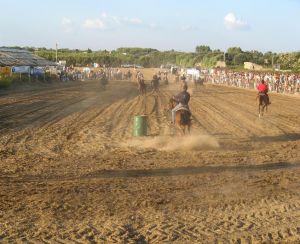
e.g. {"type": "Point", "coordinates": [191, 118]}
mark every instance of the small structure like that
{"type": "Point", "coordinates": [252, 66]}
{"type": "Point", "coordinates": [220, 64]}
{"type": "Point", "coordinates": [15, 57]}
{"type": "Point", "coordinates": [19, 61]}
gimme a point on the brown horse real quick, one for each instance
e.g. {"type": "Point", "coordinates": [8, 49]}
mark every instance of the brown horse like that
{"type": "Point", "coordinates": [103, 81]}
{"type": "Point", "coordinates": [182, 118]}
{"type": "Point", "coordinates": [141, 86]}
{"type": "Point", "coordinates": [198, 82]}
{"type": "Point", "coordinates": [262, 101]}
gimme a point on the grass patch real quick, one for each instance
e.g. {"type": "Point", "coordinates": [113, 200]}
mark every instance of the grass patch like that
{"type": "Point", "coordinates": [6, 82]}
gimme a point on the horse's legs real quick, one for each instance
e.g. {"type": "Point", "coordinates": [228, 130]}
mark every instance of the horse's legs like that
{"type": "Point", "coordinates": [264, 109]}
{"type": "Point", "coordinates": [178, 130]}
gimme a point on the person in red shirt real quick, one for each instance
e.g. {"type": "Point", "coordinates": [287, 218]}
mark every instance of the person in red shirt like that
{"type": "Point", "coordinates": [263, 90]}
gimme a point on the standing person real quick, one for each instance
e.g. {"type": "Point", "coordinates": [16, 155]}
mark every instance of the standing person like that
{"type": "Point", "coordinates": [129, 74]}
{"type": "Point", "coordinates": [165, 78]}
{"type": "Point", "coordinates": [158, 75]}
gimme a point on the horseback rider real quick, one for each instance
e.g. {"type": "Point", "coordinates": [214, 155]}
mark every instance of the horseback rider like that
{"type": "Point", "coordinates": [183, 78]}
{"type": "Point", "coordinates": [140, 76]}
{"type": "Point", "coordinates": [155, 82]}
{"type": "Point", "coordinates": [182, 100]}
{"type": "Point", "coordinates": [165, 78]}
{"type": "Point", "coordinates": [263, 90]}
{"type": "Point", "coordinates": [129, 74]}
{"type": "Point", "coordinates": [183, 82]}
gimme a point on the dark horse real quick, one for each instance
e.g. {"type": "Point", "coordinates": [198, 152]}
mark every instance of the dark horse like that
{"type": "Point", "coordinates": [141, 86]}
{"type": "Point", "coordinates": [262, 101]}
{"type": "Point", "coordinates": [155, 83]}
{"type": "Point", "coordinates": [103, 81]}
{"type": "Point", "coordinates": [198, 82]}
{"type": "Point", "coordinates": [182, 118]}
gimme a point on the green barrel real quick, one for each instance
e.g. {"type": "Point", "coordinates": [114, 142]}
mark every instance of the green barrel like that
{"type": "Point", "coordinates": [140, 123]}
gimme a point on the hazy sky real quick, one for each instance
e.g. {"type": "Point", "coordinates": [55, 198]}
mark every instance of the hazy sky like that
{"type": "Point", "coordinates": [163, 24]}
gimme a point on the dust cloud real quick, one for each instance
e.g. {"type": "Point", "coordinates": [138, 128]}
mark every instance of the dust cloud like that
{"type": "Point", "coordinates": [175, 143]}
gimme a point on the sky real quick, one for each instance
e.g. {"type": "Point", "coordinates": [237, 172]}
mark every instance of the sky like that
{"type": "Point", "coordinates": [263, 25]}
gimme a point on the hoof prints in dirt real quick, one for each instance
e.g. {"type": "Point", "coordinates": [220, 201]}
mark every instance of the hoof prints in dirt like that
{"type": "Point", "coordinates": [75, 182]}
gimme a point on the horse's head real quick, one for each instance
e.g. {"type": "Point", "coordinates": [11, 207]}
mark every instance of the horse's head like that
{"type": "Point", "coordinates": [172, 103]}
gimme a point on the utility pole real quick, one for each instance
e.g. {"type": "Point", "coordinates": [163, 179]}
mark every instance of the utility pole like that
{"type": "Point", "coordinates": [56, 52]}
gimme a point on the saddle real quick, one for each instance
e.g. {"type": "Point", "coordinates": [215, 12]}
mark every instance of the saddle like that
{"type": "Point", "coordinates": [184, 108]}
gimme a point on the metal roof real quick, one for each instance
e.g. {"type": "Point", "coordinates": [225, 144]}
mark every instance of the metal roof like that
{"type": "Point", "coordinates": [16, 57]}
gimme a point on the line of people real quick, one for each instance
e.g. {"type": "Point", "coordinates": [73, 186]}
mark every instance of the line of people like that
{"type": "Point", "coordinates": [280, 83]}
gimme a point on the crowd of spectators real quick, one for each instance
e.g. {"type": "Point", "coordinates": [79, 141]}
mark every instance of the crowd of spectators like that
{"type": "Point", "coordinates": [70, 74]}
{"type": "Point", "coordinates": [277, 82]}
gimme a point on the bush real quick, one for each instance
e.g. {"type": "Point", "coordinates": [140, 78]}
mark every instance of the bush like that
{"type": "Point", "coordinates": [6, 82]}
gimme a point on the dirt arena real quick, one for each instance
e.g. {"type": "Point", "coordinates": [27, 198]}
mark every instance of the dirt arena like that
{"type": "Point", "coordinates": [71, 172]}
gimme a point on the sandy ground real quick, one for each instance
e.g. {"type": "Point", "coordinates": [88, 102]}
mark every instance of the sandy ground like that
{"type": "Point", "coordinates": [71, 172]}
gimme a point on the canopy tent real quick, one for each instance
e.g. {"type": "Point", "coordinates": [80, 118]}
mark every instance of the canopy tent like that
{"type": "Point", "coordinates": [16, 57]}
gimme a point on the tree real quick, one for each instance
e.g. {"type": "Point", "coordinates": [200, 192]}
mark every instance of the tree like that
{"type": "Point", "coordinates": [144, 61]}
{"type": "Point", "coordinates": [287, 60]}
{"type": "Point", "coordinates": [240, 58]}
{"type": "Point", "coordinates": [234, 51]}
{"type": "Point", "coordinates": [231, 52]}
{"type": "Point", "coordinates": [203, 49]}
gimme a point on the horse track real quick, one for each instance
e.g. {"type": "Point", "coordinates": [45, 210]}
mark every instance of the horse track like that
{"type": "Point", "coordinates": [72, 173]}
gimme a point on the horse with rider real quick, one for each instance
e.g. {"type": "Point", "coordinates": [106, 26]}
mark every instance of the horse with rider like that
{"type": "Point", "coordinates": [262, 98]}
{"type": "Point", "coordinates": [103, 79]}
{"type": "Point", "coordinates": [165, 78]}
{"type": "Point", "coordinates": [141, 83]}
{"type": "Point", "coordinates": [155, 82]}
{"type": "Point", "coordinates": [181, 115]}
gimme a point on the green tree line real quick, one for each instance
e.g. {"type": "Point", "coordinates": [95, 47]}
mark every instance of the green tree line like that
{"type": "Point", "coordinates": [148, 57]}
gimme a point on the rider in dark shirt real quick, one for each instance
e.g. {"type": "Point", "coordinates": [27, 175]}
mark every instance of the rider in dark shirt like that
{"type": "Point", "coordinates": [183, 97]}
{"type": "Point", "coordinates": [155, 82]}
{"type": "Point", "coordinates": [182, 100]}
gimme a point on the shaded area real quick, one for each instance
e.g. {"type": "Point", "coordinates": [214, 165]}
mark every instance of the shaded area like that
{"type": "Point", "coordinates": [43, 107]}
{"type": "Point", "coordinates": [190, 170]}
{"type": "Point", "coordinates": [134, 173]}
{"type": "Point", "coordinates": [278, 138]}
